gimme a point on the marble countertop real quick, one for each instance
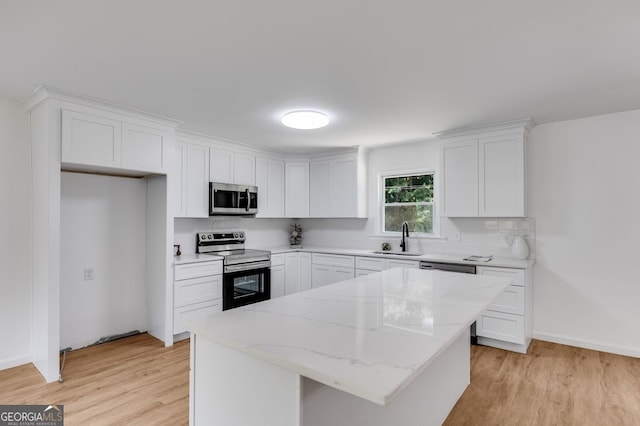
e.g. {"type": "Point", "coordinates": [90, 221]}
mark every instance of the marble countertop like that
{"type": "Point", "coordinates": [503, 262]}
{"type": "Point", "coordinates": [369, 336]}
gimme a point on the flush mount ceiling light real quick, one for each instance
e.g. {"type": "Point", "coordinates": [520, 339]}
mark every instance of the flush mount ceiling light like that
{"type": "Point", "coordinates": [305, 120]}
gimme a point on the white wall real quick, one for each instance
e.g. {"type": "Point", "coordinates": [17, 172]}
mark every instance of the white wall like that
{"type": "Point", "coordinates": [15, 236]}
{"type": "Point", "coordinates": [584, 191]}
{"type": "Point", "coordinates": [103, 226]}
{"type": "Point", "coordinates": [463, 236]}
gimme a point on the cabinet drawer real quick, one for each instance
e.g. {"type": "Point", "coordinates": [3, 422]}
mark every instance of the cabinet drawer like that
{"type": "Point", "coordinates": [277, 259]}
{"type": "Point", "coordinates": [517, 275]}
{"type": "Point", "coordinates": [333, 260]}
{"type": "Point", "coordinates": [195, 270]}
{"type": "Point", "coordinates": [510, 301]}
{"type": "Point", "coordinates": [195, 290]}
{"type": "Point", "coordinates": [370, 263]}
{"type": "Point", "coordinates": [364, 272]}
{"type": "Point", "coordinates": [501, 326]}
{"type": "Point", "coordinates": [191, 312]}
{"type": "Point", "coordinates": [396, 263]}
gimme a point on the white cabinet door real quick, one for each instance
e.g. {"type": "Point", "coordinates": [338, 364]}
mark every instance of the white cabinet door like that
{"type": "Point", "coordinates": [320, 189]}
{"type": "Point", "coordinates": [337, 187]}
{"type": "Point", "coordinates": [343, 184]}
{"type": "Point", "coordinates": [459, 178]}
{"type": "Point", "coordinates": [270, 183]}
{"type": "Point", "coordinates": [90, 139]}
{"type": "Point", "coordinates": [296, 189]}
{"type": "Point", "coordinates": [277, 281]}
{"type": "Point", "coordinates": [297, 272]}
{"type": "Point", "coordinates": [304, 272]}
{"type": "Point", "coordinates": [221, 165]}
{"type": "Point", "coordinates": [197, 181]}
{"type": "Point", "coordinates": [321, 275]}
{"type": "Point", "coordinates": [145, 148]}
{"type": "Point", "coordinates": [501, 173]}
{"type": "Point", "coordinates": [179, 181]}
{"type": "Point", "coordinates": [244, 166]}
{"type": "Point", "coordinates": [291, 275]}
{"type": "Point", "coordinates": [341, 274]}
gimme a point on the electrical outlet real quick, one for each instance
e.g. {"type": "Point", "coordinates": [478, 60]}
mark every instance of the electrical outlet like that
{"type": "Point", "coordinates": [88, 274]}
{"type": "Point", "coordinates": [458, 236]}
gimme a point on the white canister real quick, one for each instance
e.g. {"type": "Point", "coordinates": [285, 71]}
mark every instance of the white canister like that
{"type": "Point", "coordinates": [519, 248]}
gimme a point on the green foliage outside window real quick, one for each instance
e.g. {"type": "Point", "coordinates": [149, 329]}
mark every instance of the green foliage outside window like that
{"type": "Point", "coordinates": [409, 198]}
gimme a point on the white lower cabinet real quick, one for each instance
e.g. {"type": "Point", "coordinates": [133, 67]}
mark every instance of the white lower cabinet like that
{"type": "Point", "coordinates": [297, 276]}
{"type": "Point", "coordinates": [277, 275]}
{"type": "Point", "coordinates": [507, 323]}
{"type": "Point", "coordinates": [331, 268]}
{"type": "Point", "coordinates": [197, 292]}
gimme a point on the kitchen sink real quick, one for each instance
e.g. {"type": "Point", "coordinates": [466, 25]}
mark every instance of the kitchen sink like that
{"type": "Point", "coordinates": [397, 253]}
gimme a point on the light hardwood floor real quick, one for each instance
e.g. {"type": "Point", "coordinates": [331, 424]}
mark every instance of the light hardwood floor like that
{"type": "Point", "coordinates": [137, 381]}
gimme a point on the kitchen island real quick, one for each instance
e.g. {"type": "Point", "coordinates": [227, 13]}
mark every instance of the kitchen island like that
{"type": "Point", "coordinates": [387, 348]}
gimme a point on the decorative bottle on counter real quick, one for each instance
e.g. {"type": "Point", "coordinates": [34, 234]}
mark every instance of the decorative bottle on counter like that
{"type": "Point", "coordinates": [519, 248]}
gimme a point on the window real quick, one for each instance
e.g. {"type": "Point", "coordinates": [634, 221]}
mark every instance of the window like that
{"type": "Point", "coordinates": [408, 197]}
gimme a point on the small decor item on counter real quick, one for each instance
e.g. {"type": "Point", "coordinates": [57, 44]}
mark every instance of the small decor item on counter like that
{"type": "Point", "coordinates": [295, 239]}
{"type": "Point", "coordinates": [177, 247]}
{"type": "Point", "coordinates": [385, 246]}
{"type": "Point", "coordinates": [519, 247]}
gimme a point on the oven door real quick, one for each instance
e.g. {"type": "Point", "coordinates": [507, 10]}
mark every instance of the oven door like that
{"type": "Point", "coordinates": [242, 286]}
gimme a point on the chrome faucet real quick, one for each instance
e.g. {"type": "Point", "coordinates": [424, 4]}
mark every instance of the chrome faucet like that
{"type": "Point", "coordinates": [405, 235]}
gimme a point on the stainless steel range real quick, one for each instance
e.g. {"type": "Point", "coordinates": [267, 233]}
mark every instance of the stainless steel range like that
{"type": "Point", "coordinates": [246, 274]}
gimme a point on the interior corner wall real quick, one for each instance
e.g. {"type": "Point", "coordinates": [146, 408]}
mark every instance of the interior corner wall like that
{"type": "Point", "coordinates": [15, 231]}
{"type": "Point", "coordinates": [103, 228]}
{"type": "Point", "coordinates": [584, 192]}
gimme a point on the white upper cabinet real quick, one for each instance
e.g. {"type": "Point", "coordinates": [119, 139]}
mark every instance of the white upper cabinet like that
{"type": "Point", "coordinates": [221, 165]}
{"type": "Point", "coordinates": [459, 178]}
{"type": "Point", "coordinates": [179, 181]}
{"type": "Point", "coordinates": [296, 189]}
{"type": "Point", "coordinates": [145, 148]}
{"type": "Point", "coordinates": [482, 171]}
{"type": "Point", "coordinates": [90, 139]}
{"type": "Point", "coordinates": [228, 166]}
{"type": "Point", "coordinates": [98, 138]}
{"type": "Point", "coordinates": [501, 174]}
{"type": "Point", "coordinates": [244, 166]}
{"type": "Point", "coordinates": [338, 185]}
{"type": "Point", "coordinates": [270, 183]}
{"type": "Point", "coordinates": [191, 179]}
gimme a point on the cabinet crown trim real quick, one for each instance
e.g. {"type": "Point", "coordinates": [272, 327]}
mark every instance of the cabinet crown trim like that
{"type": "Point", "coordinates": [522, 125]}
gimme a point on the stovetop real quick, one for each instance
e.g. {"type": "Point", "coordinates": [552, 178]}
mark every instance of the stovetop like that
{"type": "Point", "coordinates": [242, 255]}
{"type": "Point", "coordinates": [229, 245]}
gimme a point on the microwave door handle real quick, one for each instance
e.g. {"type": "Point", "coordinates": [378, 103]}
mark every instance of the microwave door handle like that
{"type": "Point", "coordinates": [248, 201]}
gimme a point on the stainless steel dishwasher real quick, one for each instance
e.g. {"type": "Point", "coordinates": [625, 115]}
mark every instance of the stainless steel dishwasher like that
{"type": "Point", "coordinates": [454, 267]}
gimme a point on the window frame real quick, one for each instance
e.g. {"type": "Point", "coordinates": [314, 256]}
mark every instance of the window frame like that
{"type": "Point", "coordinates": [435, 202]}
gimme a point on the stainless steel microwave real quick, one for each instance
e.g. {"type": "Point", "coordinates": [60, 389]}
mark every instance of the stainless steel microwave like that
{"type": "Point", "coordinates": [230, 199]}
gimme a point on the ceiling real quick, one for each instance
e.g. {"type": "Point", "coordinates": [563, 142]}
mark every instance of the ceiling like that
{"type": "Point", "coordinates": [385, 72]}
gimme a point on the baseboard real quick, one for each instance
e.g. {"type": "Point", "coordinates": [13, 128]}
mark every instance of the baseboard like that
{"type": "Point", "coordinates": [14, 362]}
{"type": "Point", "coordinates": [587, 344]}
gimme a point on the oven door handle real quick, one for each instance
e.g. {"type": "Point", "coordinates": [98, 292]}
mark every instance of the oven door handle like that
{"type": "Point", "coordinates": [247, 266]}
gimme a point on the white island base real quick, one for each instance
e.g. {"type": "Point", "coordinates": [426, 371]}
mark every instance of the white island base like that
{"type": "Point", "coordinates": [248, 391]}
